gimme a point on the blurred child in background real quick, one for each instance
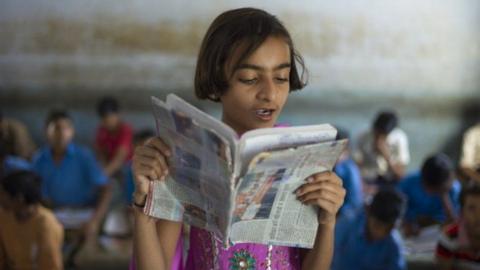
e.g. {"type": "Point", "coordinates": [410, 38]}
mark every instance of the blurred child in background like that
{"type": "Point", "coordinates": [459, 244]}
{"type": "Point", "coordinates": [369, 240]}
{"type": "Point", "coordinates": [432, 194]}
{"type": "Point", "coordinates": [30, 235]}
{"type": "Point", "coordinates": [72, 179]}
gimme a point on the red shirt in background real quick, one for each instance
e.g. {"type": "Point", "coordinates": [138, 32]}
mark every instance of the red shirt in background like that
{"type": "Point", "coordinates": [451, 245]}
{"type": "Point", "coordinates": [109, 142]}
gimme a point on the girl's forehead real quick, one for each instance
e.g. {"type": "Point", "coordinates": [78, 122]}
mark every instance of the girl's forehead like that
{"type": "Point", "coordinates": [258, 56]}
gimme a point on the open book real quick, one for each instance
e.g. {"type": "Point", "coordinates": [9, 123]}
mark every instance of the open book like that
{"type": "Point", "coordinates": [241, 189]}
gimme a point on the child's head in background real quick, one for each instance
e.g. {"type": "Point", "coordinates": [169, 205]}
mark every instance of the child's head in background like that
{"type": "Point", "coordinates": [59, 130]}
{"type": "Point", "coordinates": [384, 212]}
{"type": "Point", "coordinates": [437, 174]}
{"type": "Point", "coordinates": [20, 190]}
{"type": "Point", "coordinates": [248, 62]}
{"type": "Point", "coordinates": [384, 123]}
{"type": "Point", "coordinates": [108, 111]}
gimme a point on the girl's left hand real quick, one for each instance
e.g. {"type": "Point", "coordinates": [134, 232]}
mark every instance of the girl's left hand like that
{"type": "Point", "coordinates": [326, 191]}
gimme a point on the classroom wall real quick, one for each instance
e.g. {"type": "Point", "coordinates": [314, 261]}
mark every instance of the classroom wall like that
{"type": "Point", "coordinates": [421, 58]}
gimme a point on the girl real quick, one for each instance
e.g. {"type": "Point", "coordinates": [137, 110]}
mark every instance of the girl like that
{"type": "Point", "coordinates": [248, 63]}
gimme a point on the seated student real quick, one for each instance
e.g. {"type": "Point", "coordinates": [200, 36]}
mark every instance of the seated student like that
{"type": "Point", "coordinates": [30, 235]}
{"type": "Point", "coordinates": [349, 172]}
{"type": "Point", "coordinates": [470, 159]}
{"type": "Point", "coordinates": [369, 240]}
{"type": "Point", "coordinates": [432, 194]}
{"type": "Point", "coordinates": [459, 244]}
{"type": "Point", "coordinates": [16, 138]}
{"type": "Point", "coordinates": [113, 142]}
{"type": "Point", "coordinates": [382, 153]}
{"type": "Point", "coordinates": [10, 163]}
{"type": "Point", "coordinates": [72, 178]}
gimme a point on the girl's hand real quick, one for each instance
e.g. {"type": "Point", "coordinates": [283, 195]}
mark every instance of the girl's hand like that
{"type": "Point", "coordinates": [150, 162]}
{"type": "Point", "coordinates": [326, 191]}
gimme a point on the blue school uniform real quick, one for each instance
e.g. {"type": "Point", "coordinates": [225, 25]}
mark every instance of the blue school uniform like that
{"type": "Point", "coordinates": [74, 181]}
{"type": "Point", "coordinates": [348, 171]}
{"type": "Point", "coordinates": [129, 185]}
{"type": "Point", "coordinates": [353, 250]}
{"type": "Point", "coordinates": [423, 204]}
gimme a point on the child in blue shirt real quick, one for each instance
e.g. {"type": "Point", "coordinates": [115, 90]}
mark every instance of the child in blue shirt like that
{"type": "Point", "coordinates": [369, 239]}
{"type": "Point", "coordinates": [71, 176]}
{"type": "Point", "coordinates": [349, 172]}
{"type": "Point", "coordinates": [432, 195]}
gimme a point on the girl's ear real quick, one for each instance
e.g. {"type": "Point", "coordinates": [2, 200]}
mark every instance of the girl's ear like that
{"type": "Point", "coordinates": [215, 97]}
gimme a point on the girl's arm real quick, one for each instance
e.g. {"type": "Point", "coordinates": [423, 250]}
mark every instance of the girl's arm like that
{"type": "Point", "coordinates": [325, 191]}
{"type": "Point", "coordinates": [154, 240]}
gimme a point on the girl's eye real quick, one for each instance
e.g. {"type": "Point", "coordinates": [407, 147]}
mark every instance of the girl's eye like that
{"type": "Point", "coordinates": [248, 81]}
{"type": "Point", "coordinates": [282, 80]}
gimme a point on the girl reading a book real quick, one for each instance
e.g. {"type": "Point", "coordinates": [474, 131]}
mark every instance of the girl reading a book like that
{"type": "Point", "coordinates": [248, 63]}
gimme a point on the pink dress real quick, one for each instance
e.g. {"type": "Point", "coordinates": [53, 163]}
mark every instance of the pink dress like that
{"type": "Point", "coordinates": [207, 253]}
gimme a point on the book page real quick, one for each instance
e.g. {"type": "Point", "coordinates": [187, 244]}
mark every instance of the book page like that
{"type": "Point", "coordinates": [199, 185]}
{"type": "Point", "coordinates": [269, 139]}
{"type": "Point", "coordinates": [204, 120]}
{"type": "Point", "coordinates": [265, 198]}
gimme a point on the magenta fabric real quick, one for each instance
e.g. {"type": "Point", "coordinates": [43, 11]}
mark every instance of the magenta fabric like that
{"type": "Point", "coordinates": [207, 253]}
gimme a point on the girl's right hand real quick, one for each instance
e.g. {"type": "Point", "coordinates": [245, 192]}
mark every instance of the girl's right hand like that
{"type": "Point", "coordinates": [150, 162]}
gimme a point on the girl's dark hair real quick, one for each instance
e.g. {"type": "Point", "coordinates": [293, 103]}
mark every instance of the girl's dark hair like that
{"type": "Point", "coordinates": [242, 30]}
{"type": "Point", "coordinates": [23, 183]}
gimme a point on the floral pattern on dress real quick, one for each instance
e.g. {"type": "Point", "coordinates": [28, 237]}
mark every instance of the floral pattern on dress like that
{"type": "Point", "coordinates": [242, 260]}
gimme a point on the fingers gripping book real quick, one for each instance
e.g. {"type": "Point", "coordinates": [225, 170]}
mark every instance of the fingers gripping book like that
{"type": "Point", "coordinates": [240, 188]}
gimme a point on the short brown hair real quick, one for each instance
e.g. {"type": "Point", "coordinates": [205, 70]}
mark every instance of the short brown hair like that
{"type": "Point", "coordinates": [245, 29]}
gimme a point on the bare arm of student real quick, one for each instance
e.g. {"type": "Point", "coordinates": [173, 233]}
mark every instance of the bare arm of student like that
{"type": "Point", "coordinates": [50, 249]}
{"type": "Point", "coordinates": [448, 208]}
{"type": "Point", "coordinates": [117, 161]}
{"type": "Point", "coordinates": [397, 168]}
{"type": "Point", "coordinates": [325, 191]}
{"type": "Point", "coordinates": [100, 155]}
{"type": "Point", "coordinates": [24, 145]}
{"type": "Point", "coordinates": [154, 241]}
{"type": "Point", "coordinates": [93, 226]}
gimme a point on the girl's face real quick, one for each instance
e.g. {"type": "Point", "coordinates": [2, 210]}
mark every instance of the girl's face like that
{"type": "Point", "coordinates": [258, 88]}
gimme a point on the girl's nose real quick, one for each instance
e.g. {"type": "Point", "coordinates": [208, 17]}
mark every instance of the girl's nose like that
{"type": "Point", "coordinates": [268, 90]}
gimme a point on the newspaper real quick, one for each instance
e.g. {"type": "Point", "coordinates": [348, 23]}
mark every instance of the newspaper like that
{"type": "Point", "coordinates": [240, 189]}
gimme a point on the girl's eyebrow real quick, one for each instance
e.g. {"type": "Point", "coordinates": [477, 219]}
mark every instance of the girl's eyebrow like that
{"type": "Point", "coordinates": [260, 68]}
